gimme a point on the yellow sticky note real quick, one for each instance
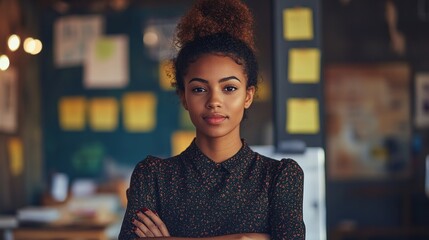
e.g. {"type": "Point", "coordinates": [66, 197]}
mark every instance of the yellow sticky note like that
{"type": "Point", "coordinates": [103, 114]}
{"type": "Point", "coordinates": [16, 156]}
{"type": "Point", "coordinates": [264, 92]}
{"type": "Point", "coordinates": [302, 116]}
{"type": "Point", "coordinates": [165, 68]}
{"type": "Point", "coordinates": [180, 140]}
{"type": "Point", "coordinates": [304, 65]}
{"type": "Point", "coordinates": [185, 120]}
{"type": "Point", "coordinates": [298, 23]}
{"type": "Point", "coordinates": [71, 111]}
{"type": "Point", "coordinates": [139, 111]}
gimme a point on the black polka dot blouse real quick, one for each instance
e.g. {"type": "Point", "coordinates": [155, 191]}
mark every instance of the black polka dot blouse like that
{"type": "Point", "coordinates": [195, 197]}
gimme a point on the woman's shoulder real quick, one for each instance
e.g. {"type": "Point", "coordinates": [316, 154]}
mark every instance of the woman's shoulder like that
{"type": "Point", "coordinates": [282, 165]}
{"type": "Point", "coordinates": [156, 163]}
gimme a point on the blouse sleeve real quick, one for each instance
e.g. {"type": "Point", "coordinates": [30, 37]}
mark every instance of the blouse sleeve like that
{"type": "Point", "coordinates": [140, 194]}
{"type": "Point", "coordinates": [286, 219]}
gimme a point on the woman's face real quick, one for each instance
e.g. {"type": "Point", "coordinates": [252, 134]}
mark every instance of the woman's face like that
{"type": "Point", "coordinates": [216, 95]}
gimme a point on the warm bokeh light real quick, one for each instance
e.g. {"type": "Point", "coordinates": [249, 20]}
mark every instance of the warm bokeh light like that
{"type": "Point", "coordinates": [29, 45]}
{"type": "Point", "coordinates": [32, 46]}
{"type": "Point", "coordinates": [38, 47]}
{"type": "Point", "coordinates": [4, 62]}
{"type": "Point", "coordinates": [13, 42]}
{"type": "Point", "coordinates": [150, 38]}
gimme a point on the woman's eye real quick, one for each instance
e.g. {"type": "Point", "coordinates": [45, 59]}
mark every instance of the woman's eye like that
{"type": "Point", "coordinates": [230, 89]}
{"type": "Point", "coordinates": [198, 89]}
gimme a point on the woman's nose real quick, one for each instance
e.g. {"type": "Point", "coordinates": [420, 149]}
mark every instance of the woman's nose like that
{"type": "Point", "coordinates": [214, 100]}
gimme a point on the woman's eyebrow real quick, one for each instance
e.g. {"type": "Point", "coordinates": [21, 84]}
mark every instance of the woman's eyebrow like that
{"type": "Point", "coordinates": [198, 80]}
{"type": "Point", "coordinates": [221, 80]}
{"type": "Point", "coordinates": [229, 78]}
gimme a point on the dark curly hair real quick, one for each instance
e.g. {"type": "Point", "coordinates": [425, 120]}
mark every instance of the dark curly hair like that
{"type": "Point", "coordinates": [222, 27]}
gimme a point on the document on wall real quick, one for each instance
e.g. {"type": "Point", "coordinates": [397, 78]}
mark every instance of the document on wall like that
{"type": "Point", "coordinates": [422, 100]}
{"type": "Point", "coordinates": [302, 116]}
{"type": "Point", "coordinates": [298, 23]}
{"type": "Point", "coordinates": [304, 65]}
{"type": "Point", "coordinates": [8, 101]}
{"type": "Point", "coordinates": [165, 68]}
{"type": "Point", "coordinates": [106, 62]}
{"type": "Point", "coordinates": [72, 113]}
{"type": "Point", "coordinates": [185, 119]}
{"type": "Point", "coordinates": [103, 114]}
{"type": "Point", "coordinates": [180, 140]}
{"type": "Point", "coordinates": [139, 111]}
{"type": "Point", "coordinates": [16, 156]}
{"type": "Point", "coordinates": [71, 36]}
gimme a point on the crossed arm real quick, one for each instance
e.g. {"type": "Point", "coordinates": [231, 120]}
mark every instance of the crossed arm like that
{"type": "Point", "coordinates": [147, 224]}
{"type": "Point", "coordinates": [285, 209]}
{"type": "Point", "coordinates": [150, 226]}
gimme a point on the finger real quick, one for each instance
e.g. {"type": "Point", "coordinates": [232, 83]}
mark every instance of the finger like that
{"type": "Point", "coordinates": [143, 228]}
{"type": "Point", "coordinates": [149, 224]}
{"type": "Point", "coordinates": [139, 232]}
{"type": "Point", "coordinates": [158, 222]}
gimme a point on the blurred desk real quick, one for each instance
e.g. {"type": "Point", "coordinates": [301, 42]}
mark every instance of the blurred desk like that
{"type": "Point", "coordinates": [69, 226]}
{"type": "Point", "coordinates": [82, 230]}
{"type": "Point", "coordinates": [48, 233]}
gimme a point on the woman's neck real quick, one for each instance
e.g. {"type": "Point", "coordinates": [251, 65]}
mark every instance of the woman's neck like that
{"type": "Point", "coordinates": [219, 149]}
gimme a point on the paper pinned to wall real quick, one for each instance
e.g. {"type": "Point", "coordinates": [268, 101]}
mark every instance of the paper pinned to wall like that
{"type": "Point", "coordinates": [103, 114]}
{"type": "Point", "coordinates": [298, 23]}
{"type": "Point", "coordinates": [139, 111]}
{"type": "Point", "coordinates": [8, 101]}
{"type": "Point", "coordinates": [165, 68]}
{"type": "Point", "coordinates": [422, 100]}
{"type": "Point", "coordinates": [158, 35]}
{"type": "Point", "coordinates": [71, 36]}
{"type": "Point", "coordinates": [72, 113]}
{"type": "Point", "coordinates": [185, 120]}
{"type": "Point", "coordinates": [264, 91]}
{"type": "Point", "coordinates": [106, 62]}
{"type": "Point", "coordinates": [180, 140]}
{"type": "Point", "coordinates": [304, 65]}
{"type": "Point", "coordinates": [302, 116]}
{"type": "Point", "coordinates": [16, 156]}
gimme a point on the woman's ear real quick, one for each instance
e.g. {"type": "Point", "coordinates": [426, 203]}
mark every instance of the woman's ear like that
{"type": "Point", "coordinates": [250, 92]}
{"type": "Point", "coordinates": [183, 100]}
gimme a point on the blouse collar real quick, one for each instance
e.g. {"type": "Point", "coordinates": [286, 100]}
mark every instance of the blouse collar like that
{"type": "Point", "coordinates": [238, 161]}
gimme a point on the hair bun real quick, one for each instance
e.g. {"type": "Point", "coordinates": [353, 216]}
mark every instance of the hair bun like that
{"type": "Point", "coordinates": [208, 17]}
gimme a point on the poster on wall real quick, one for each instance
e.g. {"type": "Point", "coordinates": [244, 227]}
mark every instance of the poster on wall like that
{"type": "Point", "coordinates": [106, 62]}
{"type": "Point", "coordinates": [8, 101]}
{"type": "Point", "coordinates": [368, 121]}
{"type": "Point", "coordinates": [71, 36]}
{"type": "Point", "coordinates": [422, 100]}
{"type": "Point", "coordinates": [158, 36]}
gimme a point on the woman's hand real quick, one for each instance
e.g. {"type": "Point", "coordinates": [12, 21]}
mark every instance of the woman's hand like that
{"type": "Point", "coordinates": [148, 224]}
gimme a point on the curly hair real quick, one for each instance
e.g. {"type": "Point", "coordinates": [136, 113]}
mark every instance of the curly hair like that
{"type": "Point", "coordinates": [221, 27]}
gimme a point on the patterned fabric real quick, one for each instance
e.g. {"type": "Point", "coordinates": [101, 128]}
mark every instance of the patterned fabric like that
{"type": "Point", "coordinates": [195, 197]}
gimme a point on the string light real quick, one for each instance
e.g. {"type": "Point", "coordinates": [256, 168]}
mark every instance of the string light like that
{"type": "Point", "coordinates": [38, 47]}
{"type": "Point", "coordinates": [4, 62]}
{"type": "Point", "coordinates": [13, 42]}
{"type": "Point", "coordinates": [29, 45]}
{"type": "Point", "coordinates": [32, 46]}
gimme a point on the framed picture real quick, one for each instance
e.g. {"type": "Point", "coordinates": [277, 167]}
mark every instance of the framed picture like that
{"type": "Point", "coordinates": [368, 120]}
{"type": "Point", "coordinates": [8, 101]}
{"type": "Point", "coordinates": [422, 100]}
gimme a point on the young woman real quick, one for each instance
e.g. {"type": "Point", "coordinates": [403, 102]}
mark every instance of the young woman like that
{"type": "Point", "coordinates": [218, 188]}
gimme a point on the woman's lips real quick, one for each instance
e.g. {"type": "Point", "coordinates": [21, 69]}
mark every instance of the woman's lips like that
{"type": "Point", "coordinates": [214, 119]}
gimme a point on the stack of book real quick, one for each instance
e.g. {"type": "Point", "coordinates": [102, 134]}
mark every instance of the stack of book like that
{"type": "Point", "coordinates": [8, 222]}
{"type": "Point", "coordinates": [38, 214]}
